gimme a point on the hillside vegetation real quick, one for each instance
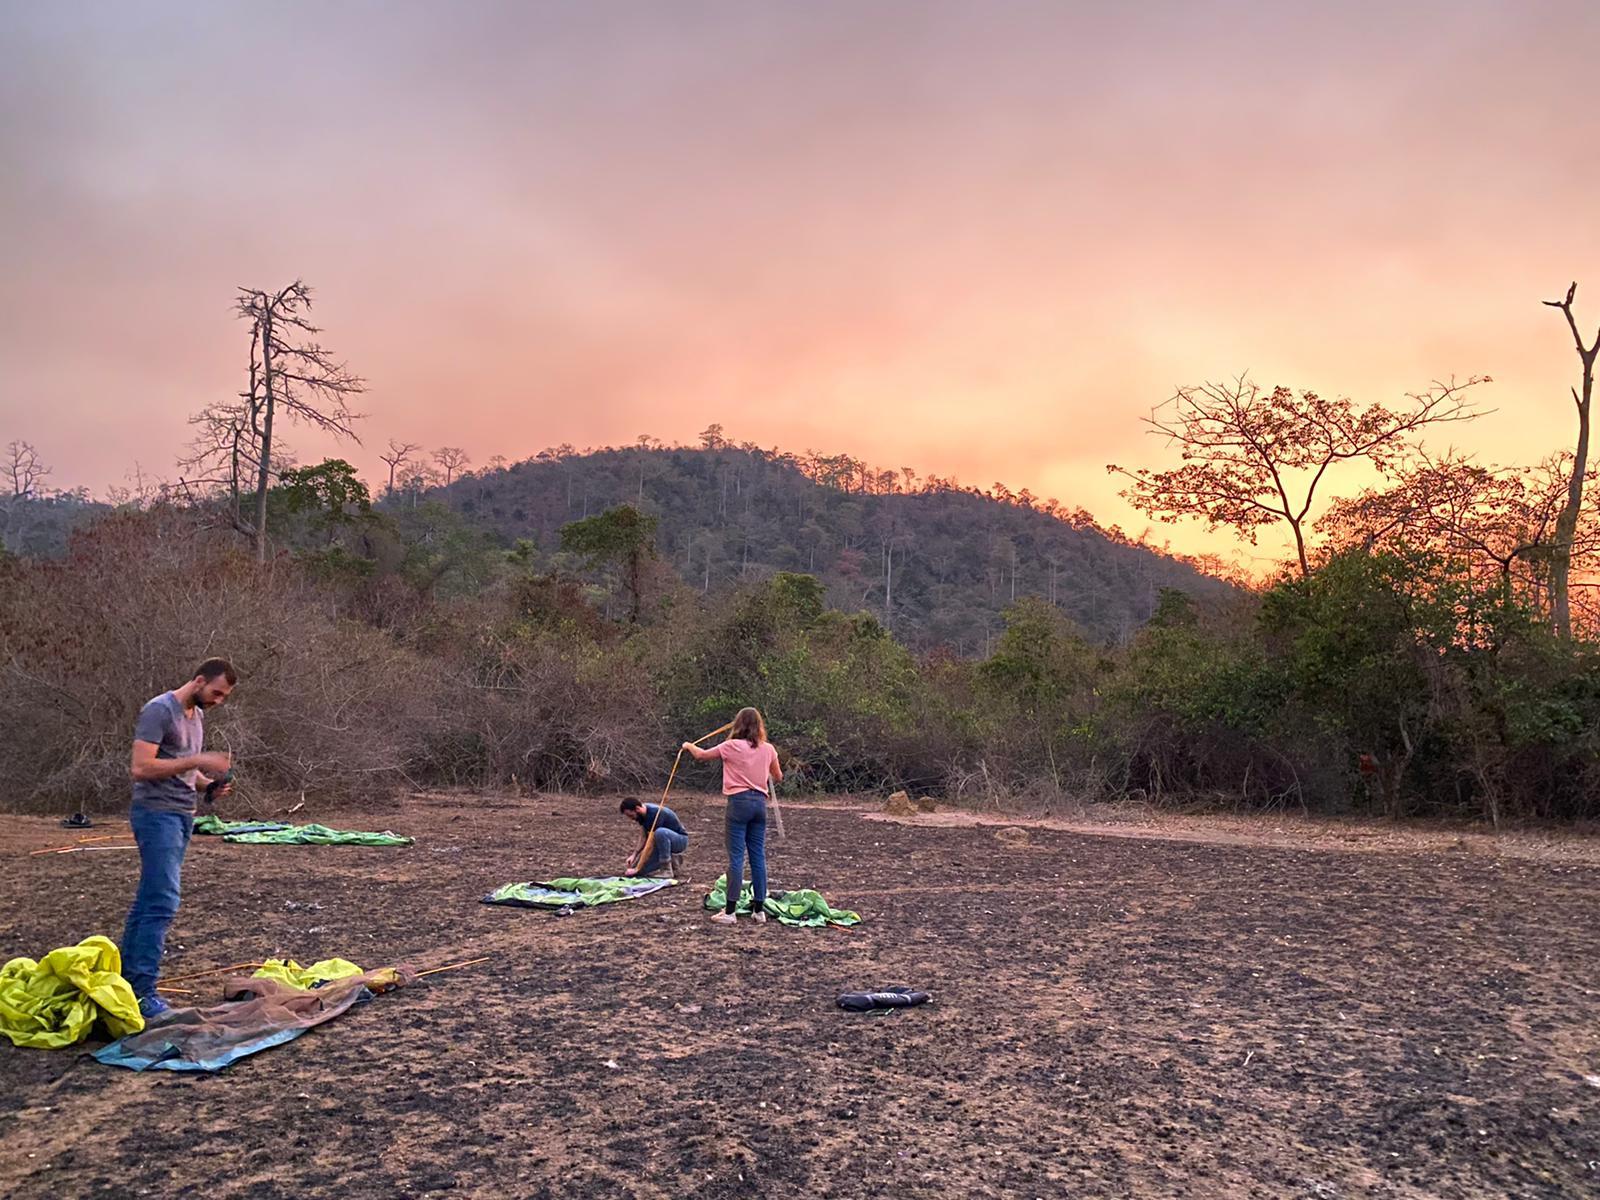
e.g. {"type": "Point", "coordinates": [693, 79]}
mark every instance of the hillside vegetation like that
{"type": "Point", "coordinates": [936, 562]}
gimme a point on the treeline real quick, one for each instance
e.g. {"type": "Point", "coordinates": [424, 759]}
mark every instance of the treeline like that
{"type": "Point", "coordinates": [384, 651]}
{"type": "Point", "coordinates": [1430, 648]}
{"type": "Point", "coordinates": [937, 561]}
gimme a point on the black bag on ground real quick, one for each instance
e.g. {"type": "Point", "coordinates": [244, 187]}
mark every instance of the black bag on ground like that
{"type": "Point", "coordinates": [898, 997]}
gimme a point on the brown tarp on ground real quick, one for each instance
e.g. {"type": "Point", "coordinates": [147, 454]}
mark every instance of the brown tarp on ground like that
{"type": "Point", "coordinates": [257, 1014]}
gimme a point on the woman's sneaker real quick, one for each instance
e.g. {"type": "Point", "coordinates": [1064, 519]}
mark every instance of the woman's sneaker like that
{"type": "Point", "coordinates": [759, 917]}
{"type": "Point", "coordinates": [153, 1006]}
{"type": "Point", "coordinates": [722, 918]}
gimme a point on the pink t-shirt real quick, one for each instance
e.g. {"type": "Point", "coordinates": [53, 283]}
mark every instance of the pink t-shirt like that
{"type": "Point", "coordinates": [744, 767]}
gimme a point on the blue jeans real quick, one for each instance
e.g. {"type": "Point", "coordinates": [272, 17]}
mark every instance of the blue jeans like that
{"type": "Point", "coordinates": [666, 844]}
{"type": "Point", "coordinates": [163, 837]}
{"type": "Point", "coordinates": [747, 830]}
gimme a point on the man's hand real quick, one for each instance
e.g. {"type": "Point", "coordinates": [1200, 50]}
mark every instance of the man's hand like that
{"type": "Point", "coordinates": [216, 763]}
{"type": "Point", "coordinates": [146, 765]}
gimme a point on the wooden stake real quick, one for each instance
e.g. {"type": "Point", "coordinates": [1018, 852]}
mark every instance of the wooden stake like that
{"type": "Point", "coordinates": [250, 966]}
{"type": "Point", "coordinates": [777, 813]}
{"type": "Point", "coordinates": [75, 849]}
{"type": "Point", "coordinates": [647, 851]}
{"type": "Point", "coordinates": [471, 962]}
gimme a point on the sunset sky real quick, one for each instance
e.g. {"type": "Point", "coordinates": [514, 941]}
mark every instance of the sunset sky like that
{"type": "Point", "coordinates": [979, 239]}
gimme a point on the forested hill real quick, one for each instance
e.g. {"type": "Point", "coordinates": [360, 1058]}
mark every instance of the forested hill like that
{"type": "Point", "coordinates": [39, 526]}
{"type": "Point", "coordinates": [937, 562]}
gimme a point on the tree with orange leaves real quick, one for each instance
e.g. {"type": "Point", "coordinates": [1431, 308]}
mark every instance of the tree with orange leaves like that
{"type": "Point", "coordinates": [1253, 458]}
{"type": "Point", "coordinates": [1501, 524]}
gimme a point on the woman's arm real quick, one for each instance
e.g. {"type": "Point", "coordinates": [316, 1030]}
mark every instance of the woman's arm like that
{"type": "Point", "coordinates": [700, 754]}
{"type": "Point", "coordinates": [775, 770]}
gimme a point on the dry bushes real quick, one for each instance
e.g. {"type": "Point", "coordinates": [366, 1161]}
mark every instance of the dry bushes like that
{"type": "Point", "coordinates": [142, 598]}
{"type": "Point", "coordinates": [347, 691]}
{"type": "Point", "coordinates": [525, 706]}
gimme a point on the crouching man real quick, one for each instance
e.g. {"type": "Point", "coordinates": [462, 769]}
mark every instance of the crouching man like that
{"type": "Point", "coordinates": [169, 764]}
{"type": "Point", "coordinates": [659, 851]}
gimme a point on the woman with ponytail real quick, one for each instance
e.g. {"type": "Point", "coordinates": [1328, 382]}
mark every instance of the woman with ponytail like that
{"type": "Point", "coordinates": [748, 761]}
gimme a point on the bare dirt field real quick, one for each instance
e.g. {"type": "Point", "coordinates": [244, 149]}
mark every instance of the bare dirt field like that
{"type": "Point", "coordinates": [1198, 1008]}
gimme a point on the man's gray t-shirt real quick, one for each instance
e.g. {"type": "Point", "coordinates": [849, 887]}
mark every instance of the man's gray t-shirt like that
{"type": "Point", "coordinates": [163, 722]}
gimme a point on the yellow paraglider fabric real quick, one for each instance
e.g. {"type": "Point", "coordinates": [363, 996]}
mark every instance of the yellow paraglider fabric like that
{"type": "Point", "coordinates": [55, 1002]}
{"type": "Point", "coordinates": [290, 972]}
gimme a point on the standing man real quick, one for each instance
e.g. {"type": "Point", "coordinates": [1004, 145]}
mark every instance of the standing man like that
{"type": "Point", "coordinates": [168, 767]}
{"type": "Point", "coordinates": [667, 845]}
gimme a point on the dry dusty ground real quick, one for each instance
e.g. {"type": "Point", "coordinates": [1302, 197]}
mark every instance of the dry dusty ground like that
{"type": "Point", "coordinates": [1181, 1009]}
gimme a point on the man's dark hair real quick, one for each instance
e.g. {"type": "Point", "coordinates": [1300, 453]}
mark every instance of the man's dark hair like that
{"type": "Point", "coordinates": [631, 804]}
{"type": "Point", "coordinates": [212, 667]}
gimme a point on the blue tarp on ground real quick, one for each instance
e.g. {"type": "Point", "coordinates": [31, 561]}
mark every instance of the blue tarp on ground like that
{"type": "Point", "coordinates": [258, 1013]}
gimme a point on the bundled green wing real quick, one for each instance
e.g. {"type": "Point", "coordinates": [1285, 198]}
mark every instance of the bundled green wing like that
{"type": "Point", "coordinates": [576, 893]}
{"type": "Point", "coordinates": [277, 833]}
{"type": "Point", "coordinates": [801, 907]}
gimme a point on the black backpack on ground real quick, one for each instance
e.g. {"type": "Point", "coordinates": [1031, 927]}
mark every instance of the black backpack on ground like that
{"type": "Point", "coordinates": [897, 997]}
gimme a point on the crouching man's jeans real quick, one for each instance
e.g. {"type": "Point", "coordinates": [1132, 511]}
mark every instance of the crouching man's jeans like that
{"type": "Point", "coordinates": [667, 843]}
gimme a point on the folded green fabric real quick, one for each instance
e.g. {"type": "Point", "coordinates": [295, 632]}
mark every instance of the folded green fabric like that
{"type": "Point", "coordinates": [56, 1001]}
{"type": "Point", "coordinates": [275, 833]}
{"type": "Point", "coordinates": [802, 907]}
{"type": "Point", "coordinates": [576, 893]}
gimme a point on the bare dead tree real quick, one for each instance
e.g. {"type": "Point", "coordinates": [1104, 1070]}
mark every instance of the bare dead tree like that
{"type": "Point", "coordinates": [139, 491]}
{"type": "Point", "coordinates": [224, 460]}
{"type": "Point", "coordinates": [289, 374]}
{"type": "Point", "coordinates": [1567, 522]}
{"type": "Point", "coordinates": [224, 457]}
{"type": "Point", "coordinates": [399, 454]}
{"type": "Point", "coordinates": [451, 459]}
{"type": "Point", "coordinates": [25, 471]}
{"type": "Point", "coordinates": [416, 478]}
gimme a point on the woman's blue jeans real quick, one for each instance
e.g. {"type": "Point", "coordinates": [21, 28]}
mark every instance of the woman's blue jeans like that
{"type": "Point", "coordinates": [747, 831]}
